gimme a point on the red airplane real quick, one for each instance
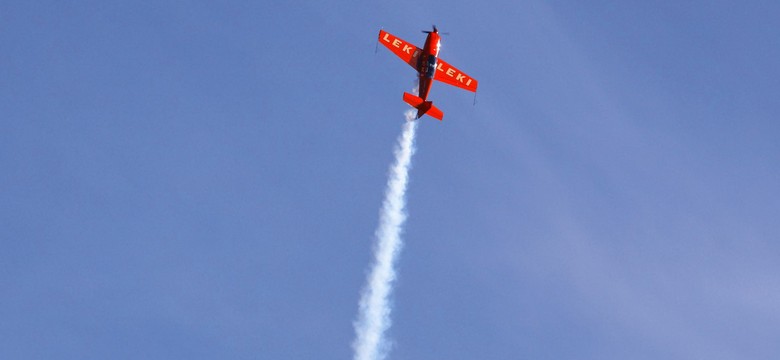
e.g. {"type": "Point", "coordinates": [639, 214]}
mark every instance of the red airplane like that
{"type": "Point", "coordinates": [429, 67]}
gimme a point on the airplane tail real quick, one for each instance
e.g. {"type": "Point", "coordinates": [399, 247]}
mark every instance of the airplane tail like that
{"type": "Point", "coordinates": [423, 107]}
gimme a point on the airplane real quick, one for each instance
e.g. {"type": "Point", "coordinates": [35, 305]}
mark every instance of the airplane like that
{"type": "Point", "coordinates": [429, 67]}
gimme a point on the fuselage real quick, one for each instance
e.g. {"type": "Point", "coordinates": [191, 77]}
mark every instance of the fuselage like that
{"type": "Point", "coordinates": [427, 63]}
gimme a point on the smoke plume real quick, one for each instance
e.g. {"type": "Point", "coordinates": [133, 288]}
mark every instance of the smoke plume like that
{"type": "Point", "coordinates": [374, 313]}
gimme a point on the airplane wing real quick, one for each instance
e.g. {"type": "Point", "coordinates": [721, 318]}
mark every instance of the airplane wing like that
{"type": "Point", "coordinates": [449, 74]}
{"type": "Point", "coordinates": [403, 49]}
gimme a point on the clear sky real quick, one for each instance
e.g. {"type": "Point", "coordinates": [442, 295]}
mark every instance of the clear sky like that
{"type": "Point", "coordinates": [201, 180]}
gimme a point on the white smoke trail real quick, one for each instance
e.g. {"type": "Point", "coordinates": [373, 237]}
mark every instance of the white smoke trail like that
{"type": "Point", "coordinates": [374, 316]}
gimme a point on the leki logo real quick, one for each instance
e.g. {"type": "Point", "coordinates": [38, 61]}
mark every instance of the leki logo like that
{"type": "Point", "coordinates": [397, 43]}
{"type": "Point", "coordinates": [452, 72]}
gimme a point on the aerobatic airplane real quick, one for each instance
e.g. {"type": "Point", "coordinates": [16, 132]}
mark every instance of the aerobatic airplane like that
{"type": "Point", "coordinates": [429, 67]}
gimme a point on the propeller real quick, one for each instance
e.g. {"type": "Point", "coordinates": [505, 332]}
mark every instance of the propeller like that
{"type": "Point", "coordinates": [435, 30]}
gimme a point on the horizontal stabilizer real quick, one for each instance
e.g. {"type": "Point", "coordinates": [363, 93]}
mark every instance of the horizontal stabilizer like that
{"type": "Point", "coordinates": [423, 107]}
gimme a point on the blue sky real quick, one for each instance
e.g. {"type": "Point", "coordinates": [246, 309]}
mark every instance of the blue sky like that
{"type": "Point", "coordinates": [198, 180]}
